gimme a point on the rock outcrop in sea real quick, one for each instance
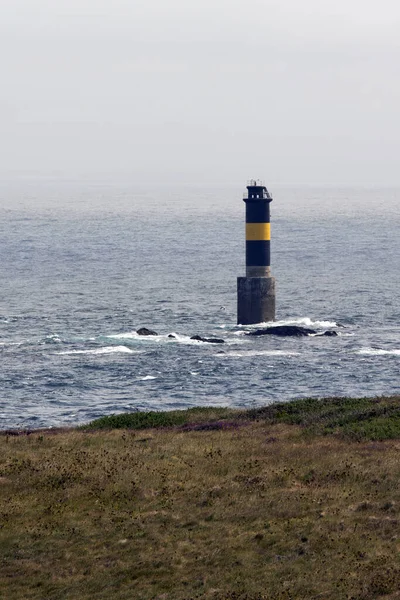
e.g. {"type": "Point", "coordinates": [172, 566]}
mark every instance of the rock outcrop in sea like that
{"type": "Point", "coordinates": [290, 330]}
{"type": "Point", "coordinates": [208, 340]}
{"type": "Point", "coordinates": [283, 330]}
{"type": "Point", "coordinates": [145, 331]}
{"type": "Point", "coordinates": [279, 330]}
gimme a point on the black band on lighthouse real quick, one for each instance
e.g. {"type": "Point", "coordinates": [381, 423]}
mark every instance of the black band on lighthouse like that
{"type": "Point", "coordinates": [258, 254]}
{"type": "Point", "coordinates": [257, 211]}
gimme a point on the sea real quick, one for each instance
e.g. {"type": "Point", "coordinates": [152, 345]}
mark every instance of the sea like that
{"type": "Point", "coordinates": [84, 265]}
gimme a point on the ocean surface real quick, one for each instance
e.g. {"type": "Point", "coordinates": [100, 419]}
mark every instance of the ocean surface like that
{"type": "Point", "coordinates": [83, 266]}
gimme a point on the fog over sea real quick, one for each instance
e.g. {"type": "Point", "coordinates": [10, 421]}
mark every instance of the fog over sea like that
{"type": "Point", "coordinates": [83, 266]}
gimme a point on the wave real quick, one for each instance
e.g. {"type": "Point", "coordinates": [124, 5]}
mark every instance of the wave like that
{"type": "Point", "coordinates": [378, 352]}
{"type": "Point", "coordinates": [170, 338]}
{"type": "Point", "coordinates": [132, 335]}
{"type": "Point", "coordinates": [185, 339]}
{"type": "Point", "coordinates": [300, 321]}
{"type": "Point", "coordinates": [147, 378]}
{"type": "Point", "coordinates": [247, 353]}
{"type": "Point", "coordinates": [106, 350]}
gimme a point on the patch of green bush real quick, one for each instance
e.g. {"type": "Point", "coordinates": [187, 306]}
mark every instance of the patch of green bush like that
{"type": "Point", "coordinates": [309, 411]}
{"type": "Point", "coordinates": [138, 420]}
{"type": "Point", "coordinates": [157, 419]}
{"type": "Point", "coordinates": [377, 429]}
{"type": "Point", "coordinates": [359, 418]}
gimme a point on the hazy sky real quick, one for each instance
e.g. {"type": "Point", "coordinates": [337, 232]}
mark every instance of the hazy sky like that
{"type": "Point", "coordinates": [201, 90]}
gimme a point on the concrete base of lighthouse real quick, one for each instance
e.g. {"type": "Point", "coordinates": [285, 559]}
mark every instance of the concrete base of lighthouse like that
{"type": "Point", "coordinates": [255, 300]}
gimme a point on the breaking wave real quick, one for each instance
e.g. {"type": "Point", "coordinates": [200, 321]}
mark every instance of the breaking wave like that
{"type": "Point", "coordinates": [378, 352]}
{"type": "Point", "coordinates": [301, 321]}
{"type": "Point", "coordinates": [170, 338]}
{"type": "Point", "coordinates": [107, 350]}
{"type": "Point", "coordinates": [249, 353]}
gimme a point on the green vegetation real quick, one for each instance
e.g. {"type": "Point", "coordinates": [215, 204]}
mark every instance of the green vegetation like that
{"type": "Point", "coordinates": [358, 418]}
{"type": "Point", "coordinates": [146, 420]}
{"type": "Point", "coordinates": [291, 501]}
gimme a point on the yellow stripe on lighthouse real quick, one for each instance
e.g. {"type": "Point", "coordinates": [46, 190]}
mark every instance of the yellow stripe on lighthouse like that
{"type": "Point", "coordinates": [258, 232]}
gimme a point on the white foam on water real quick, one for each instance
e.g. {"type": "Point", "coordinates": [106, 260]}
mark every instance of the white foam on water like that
{"type": "Point", "coordinates": [301, 321]}
{"type": "Point", "coordinates": [169, 338]}
{"type": "Point", "coordinates": [52, 338]}
{"type": "Point", "coordinates": [180, 339]}
{"type": "Point", "coordinates": [185, 339]}
{"type": "Point", "coordinates": [132, 335]}
{"type": "Point", "coordinates": [304, 322]}
{"type": "Point", "coordinates": [147, 378]}
{"type": "Point", "coordinates": [106, 350]}
{"type": "Point", "coordinates": [307, 322]}
{"type": "Point", "coordinates": [378, 352]}
{"type": "Point", "coordinates": [247, 353]}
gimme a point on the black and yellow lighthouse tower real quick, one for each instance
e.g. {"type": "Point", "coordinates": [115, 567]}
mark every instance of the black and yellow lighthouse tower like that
{"type": "Point", "coordinates": [256, 291]}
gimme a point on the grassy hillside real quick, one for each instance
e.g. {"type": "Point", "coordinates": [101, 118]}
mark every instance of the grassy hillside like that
{"type": "Point", "coordinates": [296, 500]}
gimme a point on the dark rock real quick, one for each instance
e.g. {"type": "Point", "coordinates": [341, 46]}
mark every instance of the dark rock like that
{"type": "Point", "coordinates": [328, 333]}
{"type": "Point", "coordinates": [208, 340]}
{"type": "Point", "coordinates": [284, 330]}
{"type": "Point", "coordinates": [145, 331]}
{"type": "Point", "coordinates": [171, 335]}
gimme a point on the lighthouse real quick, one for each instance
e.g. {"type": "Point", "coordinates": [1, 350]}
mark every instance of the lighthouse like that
{"type": "Point", "coordinates": [256, 291]}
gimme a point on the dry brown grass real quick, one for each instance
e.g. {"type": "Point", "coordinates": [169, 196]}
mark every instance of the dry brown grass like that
{"type": "Point", "coordinates": [253, 512]}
